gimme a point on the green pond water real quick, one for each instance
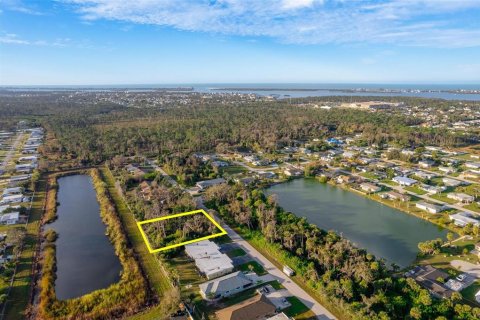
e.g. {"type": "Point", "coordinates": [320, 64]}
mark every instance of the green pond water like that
{"type": "Point", "coordinates": [383, 231]}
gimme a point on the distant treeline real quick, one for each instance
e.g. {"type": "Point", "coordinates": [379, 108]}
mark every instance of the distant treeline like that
{"type": "Point", "coordinates": [92, 132]}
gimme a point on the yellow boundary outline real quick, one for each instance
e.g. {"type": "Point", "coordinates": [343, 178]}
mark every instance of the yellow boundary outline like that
{"type": "Point", "coordinates": [149, 247]}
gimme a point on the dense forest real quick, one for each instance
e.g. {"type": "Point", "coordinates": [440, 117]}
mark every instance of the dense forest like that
{"type": "Point", "coordinates": [346, 277]}
{"type": "Point", "coordinates": [89, 133]}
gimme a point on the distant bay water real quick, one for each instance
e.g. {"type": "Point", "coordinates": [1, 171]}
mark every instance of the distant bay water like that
{"type": "Point", "coordinates": [291, 90]}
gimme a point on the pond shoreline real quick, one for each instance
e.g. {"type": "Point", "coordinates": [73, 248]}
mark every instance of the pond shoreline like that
{"type": "Point", "coordinates": [366, 223]}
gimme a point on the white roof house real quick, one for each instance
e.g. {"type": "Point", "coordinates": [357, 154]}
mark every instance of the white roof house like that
{"type": "Point", "coordinates": [404, 181]}
{"type": "Point", "coordinates": [461, 197]}
{"type": "Point", "coordinates": [429, 207]}
{"type": "Point", "coordinates": [20, 177]}
{"type": "Point", "coordinates": [208, 183]}
{"type": "Point", "coordinates": [12, 199]}
{"type": "Point", "coordinates": [10, 218]}
{"type": "Point", "coordinates": [370, 187]}
{"type": "Point", "coordinates": [12, 191]}
{"type": "Point", "coordinates": [451, 182]}
{"type": "Point", "coordinates": [473, 165]}
{"type": "Point", "coordinates": [424, 174]}
{"type": "Point", "coordinates": [201, 249]}
{"type": "Point", "coordinates": [225, 286]}
{"type": "Point", "coordinates": [28, 158]}
{"type": "Point", "coordinates": [208, 259]}
{"type": "Point", "coordinates": [279, 316]}
{"type": "Point", "coordinates": [477, 296]}
{"type": "Point", "coordinates": [215, 265]}
{"type": "Point", "coordinates": [461, 219]}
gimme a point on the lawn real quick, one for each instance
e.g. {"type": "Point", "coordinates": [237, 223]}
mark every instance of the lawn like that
{"type": "Point", "coordinates": [448, 254]}
{"type": "Point", "coordinates": [443, 197]}
{"type": "Point", "coordinates": [473, 206]}
{"type": "Point", "coordinates": [254, 266]}
{"type": "Point", "coordinates": [233, 170]}
{"type": "Point", "coordinates": [276, 285]}
{"type": "Point", "coordinates": [469, 293]}
{"type": "Point", "coordinates": [222, 239]}
{"type": "Point", "coordinates": [369, 175]}
{"type": "Point", "coordinates": [238, 252]}
{"type": "Point", "coordinates": [416, 190]}
{"type": "Point", "coordinates": [298, 310]}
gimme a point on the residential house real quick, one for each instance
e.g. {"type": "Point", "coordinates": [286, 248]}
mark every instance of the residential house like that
{"type": "Point", "coordinates": [404, 181]}
{"type": "Point", "coordinates": [345, 179]}
{"type": "Point", "coordinates": [245, 180]}
{"type": "Point", "coordinates": [426, 163]}
{"type": "Point", "coordinates": [470, 174]}
{"type": "Point", "coordinates": [461, 219]}
{"type": "Point", "coordinates": [432, 189]}
{"type": "Point", "coordinates": [393, 195]}
{"type": "Point", "coordinates": [208, 183]}
{"type": "Point", "coordinates": [12, 199]}
{"type": "Point", "coordinates": [266, 175]}
{"type": "Point", "coordinates": [370, 187]}
{"type": "Point", "coordinates": [473, 165]}
{"type": "Point", "coordinates": [424, 175]}
{"type": "Point", "coordinates": [225, 286]}
{"type": "Point", "coordinates": [10, 218]}
{"type": "Point", "coordinates": [427, 276]}
{"type": "Point", "coordinates": [208, 259]}
{"type": "Point", "coordinates": [461, 197]}
{"type": "Point", "coordinates": [429, 207]}
{"type": "Point", "coordinates": [280, 316]}
{"type": "Point", "coordinates": [349, 154]}
{"type": "Point", "coordinates": [451, 182]}
{"type": "Point", "coordinates": [255, 308]}
{"type": "Point", "coordinates": [293, 172]}
{"type": "Point", "coordinates": [447, 170]}
{"type": "Point", "coordinates": [12, 191]}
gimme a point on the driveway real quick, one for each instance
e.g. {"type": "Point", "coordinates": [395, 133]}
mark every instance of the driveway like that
{"type": "Point", "coordinates": [467, 267]}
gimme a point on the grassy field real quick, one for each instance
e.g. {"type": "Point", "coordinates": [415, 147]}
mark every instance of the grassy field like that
{"type": "Point", "coordinates": [233, 170]}
{"type": "Point", "coordinates": [443, 197]}
{"type": "Point", "coordinates": [20, 293]}
{"type": "Point", "coordinates": [158, 280]}
{"type": "Point", "coordinates": [298, 310]}
{"type": "Point", "coordinates": [416, 190]}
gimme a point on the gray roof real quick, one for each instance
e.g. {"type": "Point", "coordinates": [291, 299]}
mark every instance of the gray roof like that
{"type": "Point", "coordinates": [226, 283]}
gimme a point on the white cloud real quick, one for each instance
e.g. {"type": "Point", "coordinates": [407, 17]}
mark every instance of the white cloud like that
{"type": "Point", "coordinates": [295, 4]}
{"type": "Point", "coordinates": [432, 23]}
{"type": "Point", "coordinates": [14, 39]}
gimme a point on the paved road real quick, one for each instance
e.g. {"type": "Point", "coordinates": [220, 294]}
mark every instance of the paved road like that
{"type": "Point", "coordinates": [320, 311]}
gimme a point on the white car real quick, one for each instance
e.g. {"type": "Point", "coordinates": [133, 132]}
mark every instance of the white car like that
{"type": "Point", "coordinates": [461, 277]}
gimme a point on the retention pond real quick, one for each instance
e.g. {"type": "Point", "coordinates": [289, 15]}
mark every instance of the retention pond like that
{"type": "Point", "coordinates": [86, 260]}
{"type": "Point", "coordinates": [383, 231]}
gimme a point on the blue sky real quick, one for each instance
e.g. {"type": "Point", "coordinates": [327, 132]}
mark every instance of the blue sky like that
{"type": "Point", "coordinates": [172, 41]}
